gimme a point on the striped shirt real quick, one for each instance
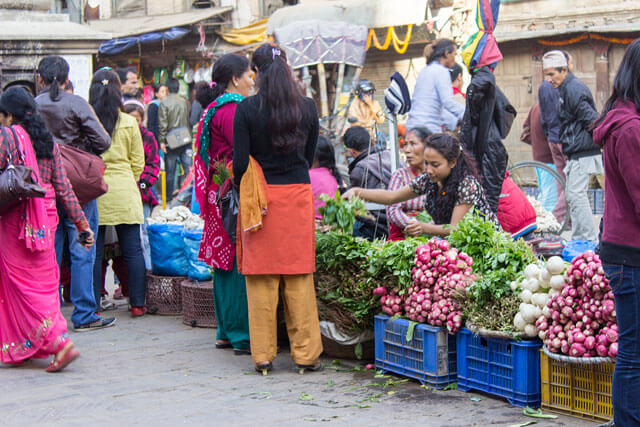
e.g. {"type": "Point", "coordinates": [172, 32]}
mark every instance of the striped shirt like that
{"type": "Point", "coordinates": [397, 214]}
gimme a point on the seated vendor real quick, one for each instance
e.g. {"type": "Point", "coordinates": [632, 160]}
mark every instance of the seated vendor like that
{"type": "Point", "coordinates": [401, 214]}
{"type": "Point", "coordinates": [450, 185]}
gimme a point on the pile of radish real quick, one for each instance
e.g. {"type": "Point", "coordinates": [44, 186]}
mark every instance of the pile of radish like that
{"type": "Point", "coordinates": [580, 319]}
{"type": "Point", "coordinates": [541, 282]}
{"type": "Point", "coordinates": [440, 273]}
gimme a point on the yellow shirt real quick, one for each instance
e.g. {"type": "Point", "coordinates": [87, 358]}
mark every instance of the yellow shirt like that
{"type": "Point", "coordinates": [367, 114]}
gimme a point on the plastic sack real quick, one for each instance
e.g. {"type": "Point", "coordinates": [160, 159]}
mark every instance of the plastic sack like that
{"type": "Point", "coordinates": [576, 247]}
{"type": "Point", "coordinates": [167, 250]}
{"type": "Point", "coordinates": [197, 270]}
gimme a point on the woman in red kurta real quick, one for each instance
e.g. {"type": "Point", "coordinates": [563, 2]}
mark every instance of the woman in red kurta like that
{"type": "Point", "coordinates": [232, 82]}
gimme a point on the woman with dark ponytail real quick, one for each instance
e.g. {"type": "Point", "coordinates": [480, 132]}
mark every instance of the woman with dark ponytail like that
{"type": "Point", "coordinates": [231, 83]}
{"type": "Point", "coordinates": [31, 325]}
{"type": "Point", "coordinates": [274, 139]}
{"type": "Point", "coordinates": [450, 184]}
{"type": "Point", "coordinates": [433, 95]}
{"type": "Point", "coordinates": [121, 205]}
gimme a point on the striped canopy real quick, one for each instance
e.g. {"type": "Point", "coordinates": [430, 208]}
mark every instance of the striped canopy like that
{"type": "Point", "coordinates": [482, 48]}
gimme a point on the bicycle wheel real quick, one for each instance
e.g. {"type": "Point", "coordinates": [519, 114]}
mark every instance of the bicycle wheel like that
{"type": "Point", "coordinates": [542, 183]}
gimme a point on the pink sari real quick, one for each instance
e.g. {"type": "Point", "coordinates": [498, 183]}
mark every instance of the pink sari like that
{"type": "Point", "coordinates": [31, 324]}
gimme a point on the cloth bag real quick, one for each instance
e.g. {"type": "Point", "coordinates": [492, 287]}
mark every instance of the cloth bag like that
{"type": "Point", "coordinates": [17, 182]}
{"type": "Point", "coordinates": [85, 172]}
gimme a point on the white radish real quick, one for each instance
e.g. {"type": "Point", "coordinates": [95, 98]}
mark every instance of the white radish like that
{"type": "Point", "coordinates": [525, 296]}
{"type": "Point", "coordinates": [555, 265]}
{"type": "Point", "coordinates": [519, 322]}
{"type": "Point", "coordinates": [532, 271]}
{"type": "Point", "coordinates": [529, 313]}
{"type": "Point", "coordinates": [557, 282]}
{"type": "Point", "coordinates": [530, 330]}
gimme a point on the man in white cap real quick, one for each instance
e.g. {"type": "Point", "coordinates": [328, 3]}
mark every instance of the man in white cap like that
{"type": "Point", "coordinates": [576, 112]}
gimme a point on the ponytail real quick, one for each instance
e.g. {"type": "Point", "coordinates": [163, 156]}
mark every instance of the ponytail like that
{"type": "Point", "coordinates": [20, 104]}
{"type": "Point", "coordinates": [54, 71]}
{"type": "Point", "coordinates": [283, 96]}
{"type": "Point", "coordinates": [224, 70]}
{"type": "Point", "coordinates": [438, 49]}
{"type": "Point", "coordinates": [105, 98]}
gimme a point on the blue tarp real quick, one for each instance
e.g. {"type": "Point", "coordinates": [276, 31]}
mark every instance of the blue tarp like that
{"type": "Point", "coordinates": [115, 46]}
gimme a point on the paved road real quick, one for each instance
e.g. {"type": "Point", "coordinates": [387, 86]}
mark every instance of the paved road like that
{"type": "Point", "coordinates": [158, 371]}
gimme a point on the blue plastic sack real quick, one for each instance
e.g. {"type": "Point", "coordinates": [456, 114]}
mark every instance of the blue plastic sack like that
{"type": "Point", "coordinates": [196, 270]}
{"type": "Point", "coordinates": [167, 250]}
{"type": "Point", "coordinates": [576, 247]}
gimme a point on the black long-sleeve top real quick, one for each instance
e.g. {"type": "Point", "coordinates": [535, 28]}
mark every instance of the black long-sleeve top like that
{"type": "Point", "coordinates": [251, 136]}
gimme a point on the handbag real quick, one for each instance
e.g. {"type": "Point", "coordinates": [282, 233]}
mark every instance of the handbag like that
{"type": "Point", "coordinates": [85, 172]}
{"type": "Point", "coordinates": [228, 203]}
{"type": "Point", "coordinates": [178, 137]}
{"type": "Point", "coordinates": [17, 182]}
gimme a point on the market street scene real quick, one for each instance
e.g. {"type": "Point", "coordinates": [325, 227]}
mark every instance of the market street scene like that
{"type": "Point", "coordinates": [290, 212]}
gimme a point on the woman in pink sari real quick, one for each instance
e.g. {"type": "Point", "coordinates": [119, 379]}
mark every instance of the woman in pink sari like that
{"type": "Point", "coordinates": [31, 324]}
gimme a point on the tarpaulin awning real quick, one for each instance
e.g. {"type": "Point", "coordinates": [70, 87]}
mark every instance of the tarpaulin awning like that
{"type": "Point", "coordinates": [482, 48]}
{"type": "Point", "coordinates": [126, 27]}
{"type": "Point", "coordinates": [315, 42]}
{"type": "Point", "coordinates": [367, 13]}
{"type": "Point", "coordinates": [254, 33]}
{"type": "Point", "coordinates": [115, 46]}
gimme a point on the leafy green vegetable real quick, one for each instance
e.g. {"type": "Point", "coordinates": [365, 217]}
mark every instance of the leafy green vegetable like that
{"type": "Point", "coordinates": [391, 263]}
{"type": "Point", "coordinates": [221, 173]}
{"type": "Point", "coordinates": [497, 261]}
{"type": "Point", "coordinates": [424, 217]}
{"type": "Point", "coordinates": [341, 214]}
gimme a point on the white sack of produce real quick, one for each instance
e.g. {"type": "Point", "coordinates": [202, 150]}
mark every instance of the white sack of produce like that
{"type": "Point", "coordinates": [179, 215]}
{"type": "Point", "coordinates": [547, 223]}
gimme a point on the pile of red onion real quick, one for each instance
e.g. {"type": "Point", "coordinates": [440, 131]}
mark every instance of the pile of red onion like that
{"type": "Point", "coordinates": [581, 319]}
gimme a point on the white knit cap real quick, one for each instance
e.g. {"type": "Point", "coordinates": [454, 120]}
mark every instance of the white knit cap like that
{"type": "Point", "coordinates": [554, 59]}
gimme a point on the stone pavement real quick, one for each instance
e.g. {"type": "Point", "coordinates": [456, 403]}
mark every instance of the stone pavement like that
{"type": "Point", "coordinates": [158, 371]}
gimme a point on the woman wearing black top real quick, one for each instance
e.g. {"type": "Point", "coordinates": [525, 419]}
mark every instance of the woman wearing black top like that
{"type": "Point", "coordinates": [278, 128]}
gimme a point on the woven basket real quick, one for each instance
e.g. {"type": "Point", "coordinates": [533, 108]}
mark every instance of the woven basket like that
{"type": "Point", "coordinates": [341, 351]}
{"type": "Point", "coordinates": [164, 295]}
{"type": "Point", "coordinates": [197, 304]}
{"type": "Point", "coordinates": [576, 360]}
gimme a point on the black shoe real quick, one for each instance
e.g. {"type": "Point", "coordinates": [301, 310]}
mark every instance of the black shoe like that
{"type": "Point", "coordinates": [317, 367]}
{"type": "Point", "coordinates": [98, 324]}
{"type": "Point", "coordinates": [223, 345]}
{"type": "Point", "coordinates": [242, 352]}
{"type": "Point", "coordinates": [264, 367]}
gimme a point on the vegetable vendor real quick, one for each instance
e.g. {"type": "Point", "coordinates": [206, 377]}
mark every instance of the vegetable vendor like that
{"type": "Point", "coordinates": [450, 184]}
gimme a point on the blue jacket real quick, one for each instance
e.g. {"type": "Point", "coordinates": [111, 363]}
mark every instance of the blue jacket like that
{"type": "Point", "coordinates": [548, 100]}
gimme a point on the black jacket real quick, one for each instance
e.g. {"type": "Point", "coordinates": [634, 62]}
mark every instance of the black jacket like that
{"type": "Point", "coordinates": [487, 121]}
{"type": "Point", "coordinates": [365, 172]}
{"type": "Point", "coordinates": [577, 112]}
{"type": "Point", "coordinates": [72, 121]}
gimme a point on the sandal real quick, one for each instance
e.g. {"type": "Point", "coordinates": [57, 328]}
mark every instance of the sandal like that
{"type": "Point", "coordinates": [242, 351]}
{"type": "Point", "coordinates": [316, 367]}
{"type": "Point", "coordinates": [264, 367]}
{"type": "Point", "coordinates": [59, 364]}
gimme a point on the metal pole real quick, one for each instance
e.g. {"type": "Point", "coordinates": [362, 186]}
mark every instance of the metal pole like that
{"type": "Point", "coordinates": [393, 140]}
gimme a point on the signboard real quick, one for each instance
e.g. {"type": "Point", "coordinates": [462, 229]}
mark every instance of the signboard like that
{"type": "Point", "coordinates": [80, 73]}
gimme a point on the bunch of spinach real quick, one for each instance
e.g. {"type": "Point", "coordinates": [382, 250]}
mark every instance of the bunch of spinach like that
{"type": "Point", "coordinates": [498, 260]}
{"type": "Point", "coordinates": [391, 263]}
{"type": "Point", "coordinates": [341, 214]}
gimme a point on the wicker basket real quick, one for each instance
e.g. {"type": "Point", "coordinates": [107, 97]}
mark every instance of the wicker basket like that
{"type": "Point", "coordinates": [341, 351]}
{"type": "Point", "coordinates": [197, 304]}
{"type": "Point", "coordinates": [164, 295]}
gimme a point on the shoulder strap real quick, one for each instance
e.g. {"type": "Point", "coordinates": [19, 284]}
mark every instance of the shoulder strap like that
{"type": "Point", "coordinates": [17, 142]}
{"type": "Point", "coordinates": [5, 138]}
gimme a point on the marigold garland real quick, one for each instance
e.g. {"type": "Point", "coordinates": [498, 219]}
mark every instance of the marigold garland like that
{"type": "Point", "coordinates": [584, 37]}
{"type": "Point", "coordinates": [400, 46]}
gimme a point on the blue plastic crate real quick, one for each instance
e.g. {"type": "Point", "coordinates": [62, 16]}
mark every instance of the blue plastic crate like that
{"type": "Point", "coordinates": [505, 368]}
{"type": "Point", "coordinates": [430, 357]}
{"type": "Point", "coordinates": [596, 200]}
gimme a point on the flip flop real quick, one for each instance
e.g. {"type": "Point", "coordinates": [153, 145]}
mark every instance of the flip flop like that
{"type": "Point", "coordinates": [59, 365]}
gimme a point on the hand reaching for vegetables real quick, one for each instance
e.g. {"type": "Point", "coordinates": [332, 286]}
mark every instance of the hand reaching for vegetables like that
{"type": "Point", "coordinates": [351, 193]}
{"type": "Point", "coordinates": [415, 228]}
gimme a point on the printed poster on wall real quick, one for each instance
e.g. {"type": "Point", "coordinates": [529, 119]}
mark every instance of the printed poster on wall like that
{"type": "Point", "coordinates": [80, 73]}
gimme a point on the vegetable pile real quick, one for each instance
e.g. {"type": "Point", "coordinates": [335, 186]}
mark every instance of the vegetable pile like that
{"type": "Point", "coordinates": [349, 268]}
{"type": "Point", "coordinates": [179, 215]}
{"type": "Point", "coordinates": [580, 319]}
{"type": "Point", "coordinates": [539, 284]}
{"type": "Point", "coordinates": [498, 260]}
{"type": "Point", "coordinates": [544, 219]}
{"type": "Point", "coordinates": [440, 272]}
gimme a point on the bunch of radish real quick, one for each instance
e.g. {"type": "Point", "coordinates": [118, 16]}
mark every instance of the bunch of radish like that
{"type": "Point", "coordinates": [440, 272]}
{"type": "Point", "coordinates": [580, 320]}
{"type": "Point", "coordinates": [541, 282]}
{"type": "Point", "coordinates": [391, 302]}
